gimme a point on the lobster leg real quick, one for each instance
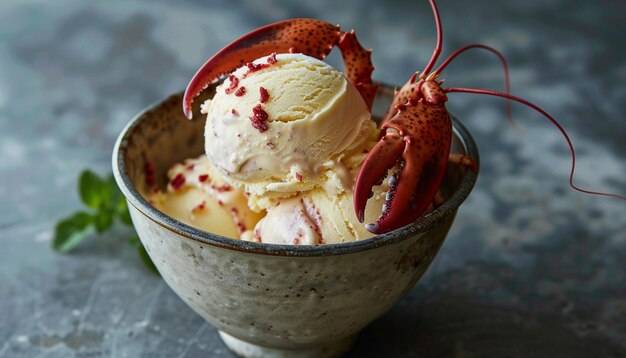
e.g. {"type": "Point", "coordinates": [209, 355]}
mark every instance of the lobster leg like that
{"type": "Point", "coordinates": [358, 66]}
{"type": "Point", "coordinates": [439, 199]}
{"type": "Point", "coordinates": [313, 37]}
{"type": "Point", "coordinates": [463, 160]}
{"type": "Point", "coordinates": [309, 36]}
{"type": "Point", "coordinates": [410, 90]}
{"type": "Point", "coordinates": [458, 159]}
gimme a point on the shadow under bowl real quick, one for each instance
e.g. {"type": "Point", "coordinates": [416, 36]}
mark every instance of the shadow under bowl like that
{"type": "Point", "coordinates": [276, 300]}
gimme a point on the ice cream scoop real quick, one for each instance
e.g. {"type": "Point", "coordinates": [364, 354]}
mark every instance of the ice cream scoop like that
{"type": "Point", "coordinates": [198, 196]}
{"type": "Point", "coordinates": [315, 218]}
{"type": "Point", "coordinates": [276, 126]}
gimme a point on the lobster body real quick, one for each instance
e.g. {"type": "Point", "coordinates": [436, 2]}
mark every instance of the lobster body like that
{"type": "Point", "coordinates": [416, 132]}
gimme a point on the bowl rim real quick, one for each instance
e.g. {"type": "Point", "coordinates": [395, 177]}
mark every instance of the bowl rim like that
{"type": "Point", "coordinates": [421, 225]}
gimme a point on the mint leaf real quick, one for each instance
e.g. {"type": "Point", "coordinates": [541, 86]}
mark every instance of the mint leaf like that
{"type": "Point", "coordinates": [70, 231]}
{"type": "Point", "coordinates": [103, 220]}
{"type": "Point", "coordinates": [92, 189]}
{"type": "Point", "coordinates": [134, 241]}
{"type": "Point", "coordinates": [143, 254]}
{"type": "Point", "coordinates": [102, 195]}
{"type": "Point", "coordinates": [115, 195]}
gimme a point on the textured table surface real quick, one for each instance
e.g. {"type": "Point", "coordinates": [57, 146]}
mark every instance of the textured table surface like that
{"type": "Point", "coordinates": [530, 268]}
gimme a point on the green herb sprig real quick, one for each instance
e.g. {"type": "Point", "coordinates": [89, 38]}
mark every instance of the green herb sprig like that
{"type": "Point", "coordinates": [104, 203]}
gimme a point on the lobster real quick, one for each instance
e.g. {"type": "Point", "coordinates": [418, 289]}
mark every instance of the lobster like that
{"type": "Point", "coordinates": [416, 130]}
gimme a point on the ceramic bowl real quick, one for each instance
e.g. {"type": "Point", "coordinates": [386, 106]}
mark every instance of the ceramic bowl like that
{"type": "Point", "coordinates": [276, 300]}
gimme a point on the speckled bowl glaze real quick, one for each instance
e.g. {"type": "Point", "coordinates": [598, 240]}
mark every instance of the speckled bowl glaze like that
{"type": "Point", "coordinates": [276, 300]}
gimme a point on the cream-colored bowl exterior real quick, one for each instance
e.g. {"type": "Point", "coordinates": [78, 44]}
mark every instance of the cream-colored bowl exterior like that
{"type": "Point", "coordinates": [287, 301]}
{"type": "Point", "coordinates": [279, 298]}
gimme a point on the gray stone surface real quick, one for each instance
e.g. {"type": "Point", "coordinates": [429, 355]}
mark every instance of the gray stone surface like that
{"type": "Point", "coordinates": [530, 268]}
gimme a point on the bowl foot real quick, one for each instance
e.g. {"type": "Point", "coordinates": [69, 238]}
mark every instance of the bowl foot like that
{"type": "Point", "coordinates": [250, 350]}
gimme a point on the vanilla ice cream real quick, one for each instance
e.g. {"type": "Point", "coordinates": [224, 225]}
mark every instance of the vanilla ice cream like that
{"type": "Point", "coordinates": [285, 124]}
{"type": "Point", "coordinates": [285, 137]}
{"type": "Point", "coordinates": [314, 218]}
{"type": "Point", "coordinates": [197, 195]}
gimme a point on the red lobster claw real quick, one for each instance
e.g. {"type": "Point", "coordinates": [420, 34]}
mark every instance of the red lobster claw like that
{"type": "Point", "coordinates": [420, 136]}
{"type": "Point", "coordinates": [309, 36]}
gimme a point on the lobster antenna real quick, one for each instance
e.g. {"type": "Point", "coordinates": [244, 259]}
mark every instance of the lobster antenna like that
{"type": "Point", "coordinates": [505, 66]}
{"type": "Point", "coordinates": [536, 108]}
{"type": "Point", "coordinates": [437, 51]}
